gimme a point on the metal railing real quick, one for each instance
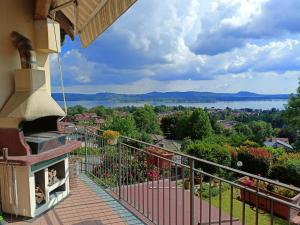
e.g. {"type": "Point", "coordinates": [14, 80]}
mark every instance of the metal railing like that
{"type": "Point", "coordinates": [168, 187]}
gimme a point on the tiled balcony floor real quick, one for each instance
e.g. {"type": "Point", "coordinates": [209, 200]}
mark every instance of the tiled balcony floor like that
{"type": "Point", "coordinates": [87, 204]}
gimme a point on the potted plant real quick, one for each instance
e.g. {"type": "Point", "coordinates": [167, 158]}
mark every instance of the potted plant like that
{"type": "Point", "coordinates": [186, 184]}
{"type": "Point", "coordinates": [264, 203]}
{"type": "Point", "coordinates": [152, 174]}
{"type": "Point", "coordinates": [155, 157]}
{"type": "Point", "coordinates": [198, 177]}
{"type": "Point", "coordinates": [111, 137]}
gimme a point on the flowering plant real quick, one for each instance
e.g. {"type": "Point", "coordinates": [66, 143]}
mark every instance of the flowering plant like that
{"type": "Point", "coordinates": [153, 174]}
{"type": "Point", "coordinates": [263, 185]}
{"type": "Point", "coordinates": [111, 134]}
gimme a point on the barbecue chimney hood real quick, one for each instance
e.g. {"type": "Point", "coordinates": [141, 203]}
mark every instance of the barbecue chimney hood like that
{"type": "Point", "coordinates": [30, 100]}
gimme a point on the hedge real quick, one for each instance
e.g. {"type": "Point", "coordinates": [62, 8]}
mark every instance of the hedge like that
{"type": "Point", "coordinates": [255, 160]}
{"type": "Point", "coordinates": [287, 172]}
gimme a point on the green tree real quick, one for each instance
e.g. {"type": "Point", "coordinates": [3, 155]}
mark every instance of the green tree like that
{"type": "Point", "coordinates": [146, 120]}
{"type": "Point", "coordinates": [183, 125]}
{"type": "Point", "coordinates": [261, 130]}
{"type": "Point", "coordinates": [292, 114]}
{"type": "Point", "coordinates": [200, 126]}
{"type": "Point", "coordinates": [102, 111]}
{"type": "Point", "coordinates": [293, 110]}
{"type": "Point", "coordinates": [243, 129]}
{"type": "Point", "coordinates": [124, 124]}
{"type": "Point", "coordinates": [77, 109]}
{"type": "Point", "coordinates": [169, 124]}
{"type": "Point", "coordinates": [208, 151]}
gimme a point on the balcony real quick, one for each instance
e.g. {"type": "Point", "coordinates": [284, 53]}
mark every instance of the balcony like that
{"type": "Point", "coordinates": [133, 182]}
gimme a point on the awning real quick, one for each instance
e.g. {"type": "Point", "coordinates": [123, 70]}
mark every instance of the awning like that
{"type": "Point", "coordinates": [92, 17]}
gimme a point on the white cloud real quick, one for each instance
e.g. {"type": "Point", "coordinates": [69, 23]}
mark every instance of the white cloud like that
{"type": "Point", "coordinates": [196, 44]}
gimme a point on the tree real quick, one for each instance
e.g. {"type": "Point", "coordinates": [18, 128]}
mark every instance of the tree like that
{"type": "Point", "coordinates": [293, 110]}
{"type": "Point", "coordinates": [146, 120]}
{"type": "Point", "coordinates": [261, 130]}
{"type": "Point", "coordinates": [292, 115]}
{"type": "Point", "coordinates": [183, 125]}
{"type": "Point", "coordinates": [243, 129]}
{"type": "Point", "coordinates": [200, 126]}
{"type": "Point", "coordinates": [102, 111]}
{"type": "Point", "coordinates": [169, 124]}
{"type": "Point", "coordinates": [208, 151]}
{"type": "Point", "coordinates": [77, 109]}
{"type": "Point", "coordinates": [125, 125]}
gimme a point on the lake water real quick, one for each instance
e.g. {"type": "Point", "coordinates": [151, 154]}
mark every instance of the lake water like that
{"type": "Point", "coordinates": [268, 104]}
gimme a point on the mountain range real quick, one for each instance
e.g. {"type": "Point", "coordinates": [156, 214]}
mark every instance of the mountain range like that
{"type": "Point", "coordinates": [189, 96]}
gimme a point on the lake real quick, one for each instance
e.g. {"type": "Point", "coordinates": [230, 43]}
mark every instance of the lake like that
{"type": "Point", "coordinates": [268, 104]}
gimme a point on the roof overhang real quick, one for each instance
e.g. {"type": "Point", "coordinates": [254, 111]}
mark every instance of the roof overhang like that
{"type": "Point", "coordinates": [86, 18]}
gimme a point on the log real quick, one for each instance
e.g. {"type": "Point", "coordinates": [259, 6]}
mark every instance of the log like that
{"type": "Point", "coordinates": [39, 195]}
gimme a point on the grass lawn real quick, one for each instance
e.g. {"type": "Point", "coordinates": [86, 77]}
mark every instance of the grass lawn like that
{"type": "Point", "coordinates": [263, 217]}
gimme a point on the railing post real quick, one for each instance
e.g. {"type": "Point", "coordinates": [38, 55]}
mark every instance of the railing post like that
{"type": "Point", "coordinates": [85, 148]}
{"type": "Point", "coordinates": [192, 187]}
{"type": "Point", "coordinates": [120, 168]}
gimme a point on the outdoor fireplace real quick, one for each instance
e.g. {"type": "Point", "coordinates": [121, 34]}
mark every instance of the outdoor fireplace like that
{"type": "Point", "coordinates": [34, 167]}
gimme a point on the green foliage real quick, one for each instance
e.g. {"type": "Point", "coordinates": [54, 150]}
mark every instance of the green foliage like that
{"type": "Point", "coordinates": [237, 139]}
{"type": "Point", "coordinates": [287, 172]}
{"type": "Point", "coordinates": [77, 109]}
{"type": "Point", "coordinates": [276, 152]}
{"type": "Point", "coordinates": [124, 124]}
{"type": "Point", "coordinates": [249, 143]}
{"type": "Point", "coordinates": [208, 151]}
{"type": "Point", "coordinates": [292, 114]}
{"type": "Point", "coordinates": [146, 120]}
{"type": "Point", "coordinates": [169, 124]}
{"type": "Point", "coordinates": [214, 190]}
{"type": "Point", "coordinates": [261, 130]}
{"type": "Point", "coordinates": [182, 126]}
{"type": "Point", "coordinates": [195, 124]}
{"type": "Point", "coordinates": [200, 126]}
{"type": "Point", "coordinates": [102, 111]}
{"type": "Point", "coordinates": [293, 110]}
{"type": "Point", "coordinates": [243, 129]}
{"type": "Point", "coordinates": [255, 160]}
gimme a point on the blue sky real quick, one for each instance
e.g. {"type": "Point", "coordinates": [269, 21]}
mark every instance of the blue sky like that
{"type": "Point", "coordinates": [190, 45]}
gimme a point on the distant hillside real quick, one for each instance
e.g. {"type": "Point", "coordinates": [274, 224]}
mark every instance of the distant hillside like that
{"type": "Point", "coordinates": [189, 96]}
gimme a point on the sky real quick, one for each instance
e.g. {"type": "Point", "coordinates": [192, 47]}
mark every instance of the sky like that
{"type": "Point", "coordinates": [189, 45]}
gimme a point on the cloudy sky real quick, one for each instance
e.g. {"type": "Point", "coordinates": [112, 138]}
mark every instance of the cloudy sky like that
{"type": "Point", "coordinates": [190, 45]}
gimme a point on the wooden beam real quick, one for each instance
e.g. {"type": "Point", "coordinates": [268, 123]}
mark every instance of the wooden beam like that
{"type": "Point", "coordinates": [42, 8]}
{"type": "Point", "coordinates": [65, 24]}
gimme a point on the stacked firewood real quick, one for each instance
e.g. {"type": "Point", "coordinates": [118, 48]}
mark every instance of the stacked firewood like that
{"type": "Point", "coordinates": [52, 177]}
{"type": "Point", "coordinates": [39, 194]}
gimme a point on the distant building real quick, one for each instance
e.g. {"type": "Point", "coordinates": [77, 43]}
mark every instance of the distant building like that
{"type": "Point", "coordinates": [278, 143]}
{"type": "Point", "coordinates": [89, 117]}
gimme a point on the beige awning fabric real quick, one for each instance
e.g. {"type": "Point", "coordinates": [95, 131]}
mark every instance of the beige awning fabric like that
{"type": "Point", "coordinates": [94, 16]}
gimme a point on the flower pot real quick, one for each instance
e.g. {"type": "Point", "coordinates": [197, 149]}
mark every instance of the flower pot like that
{"type": "Point", "coordinates": [264, 203]}
{"type": "Point", "coordinates": [198, 179]}
{"type": "Point", "coordinates": [186, 184]}
{"type": "Point", "coordinates": [156, 155]}
{"type": "Point", "coordinates": [112, 141]}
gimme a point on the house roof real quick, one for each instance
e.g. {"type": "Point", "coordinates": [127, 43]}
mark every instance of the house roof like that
{"type": "Point", "coordinates": [284, 144]}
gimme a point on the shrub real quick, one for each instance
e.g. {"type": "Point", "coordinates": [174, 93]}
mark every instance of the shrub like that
{"type": "Point", "coordinates": [276, 152]}
{"type": "Point", "coordinates": [288, 156]}
{"type": "Point", "coordinates": [208, 151]}
{"type": "Point", "coordinates": [249, 143]}
{"type": "Point", "coordinates": [255, 160]}
{"type": "Point", "coordinates": [287, 171]}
